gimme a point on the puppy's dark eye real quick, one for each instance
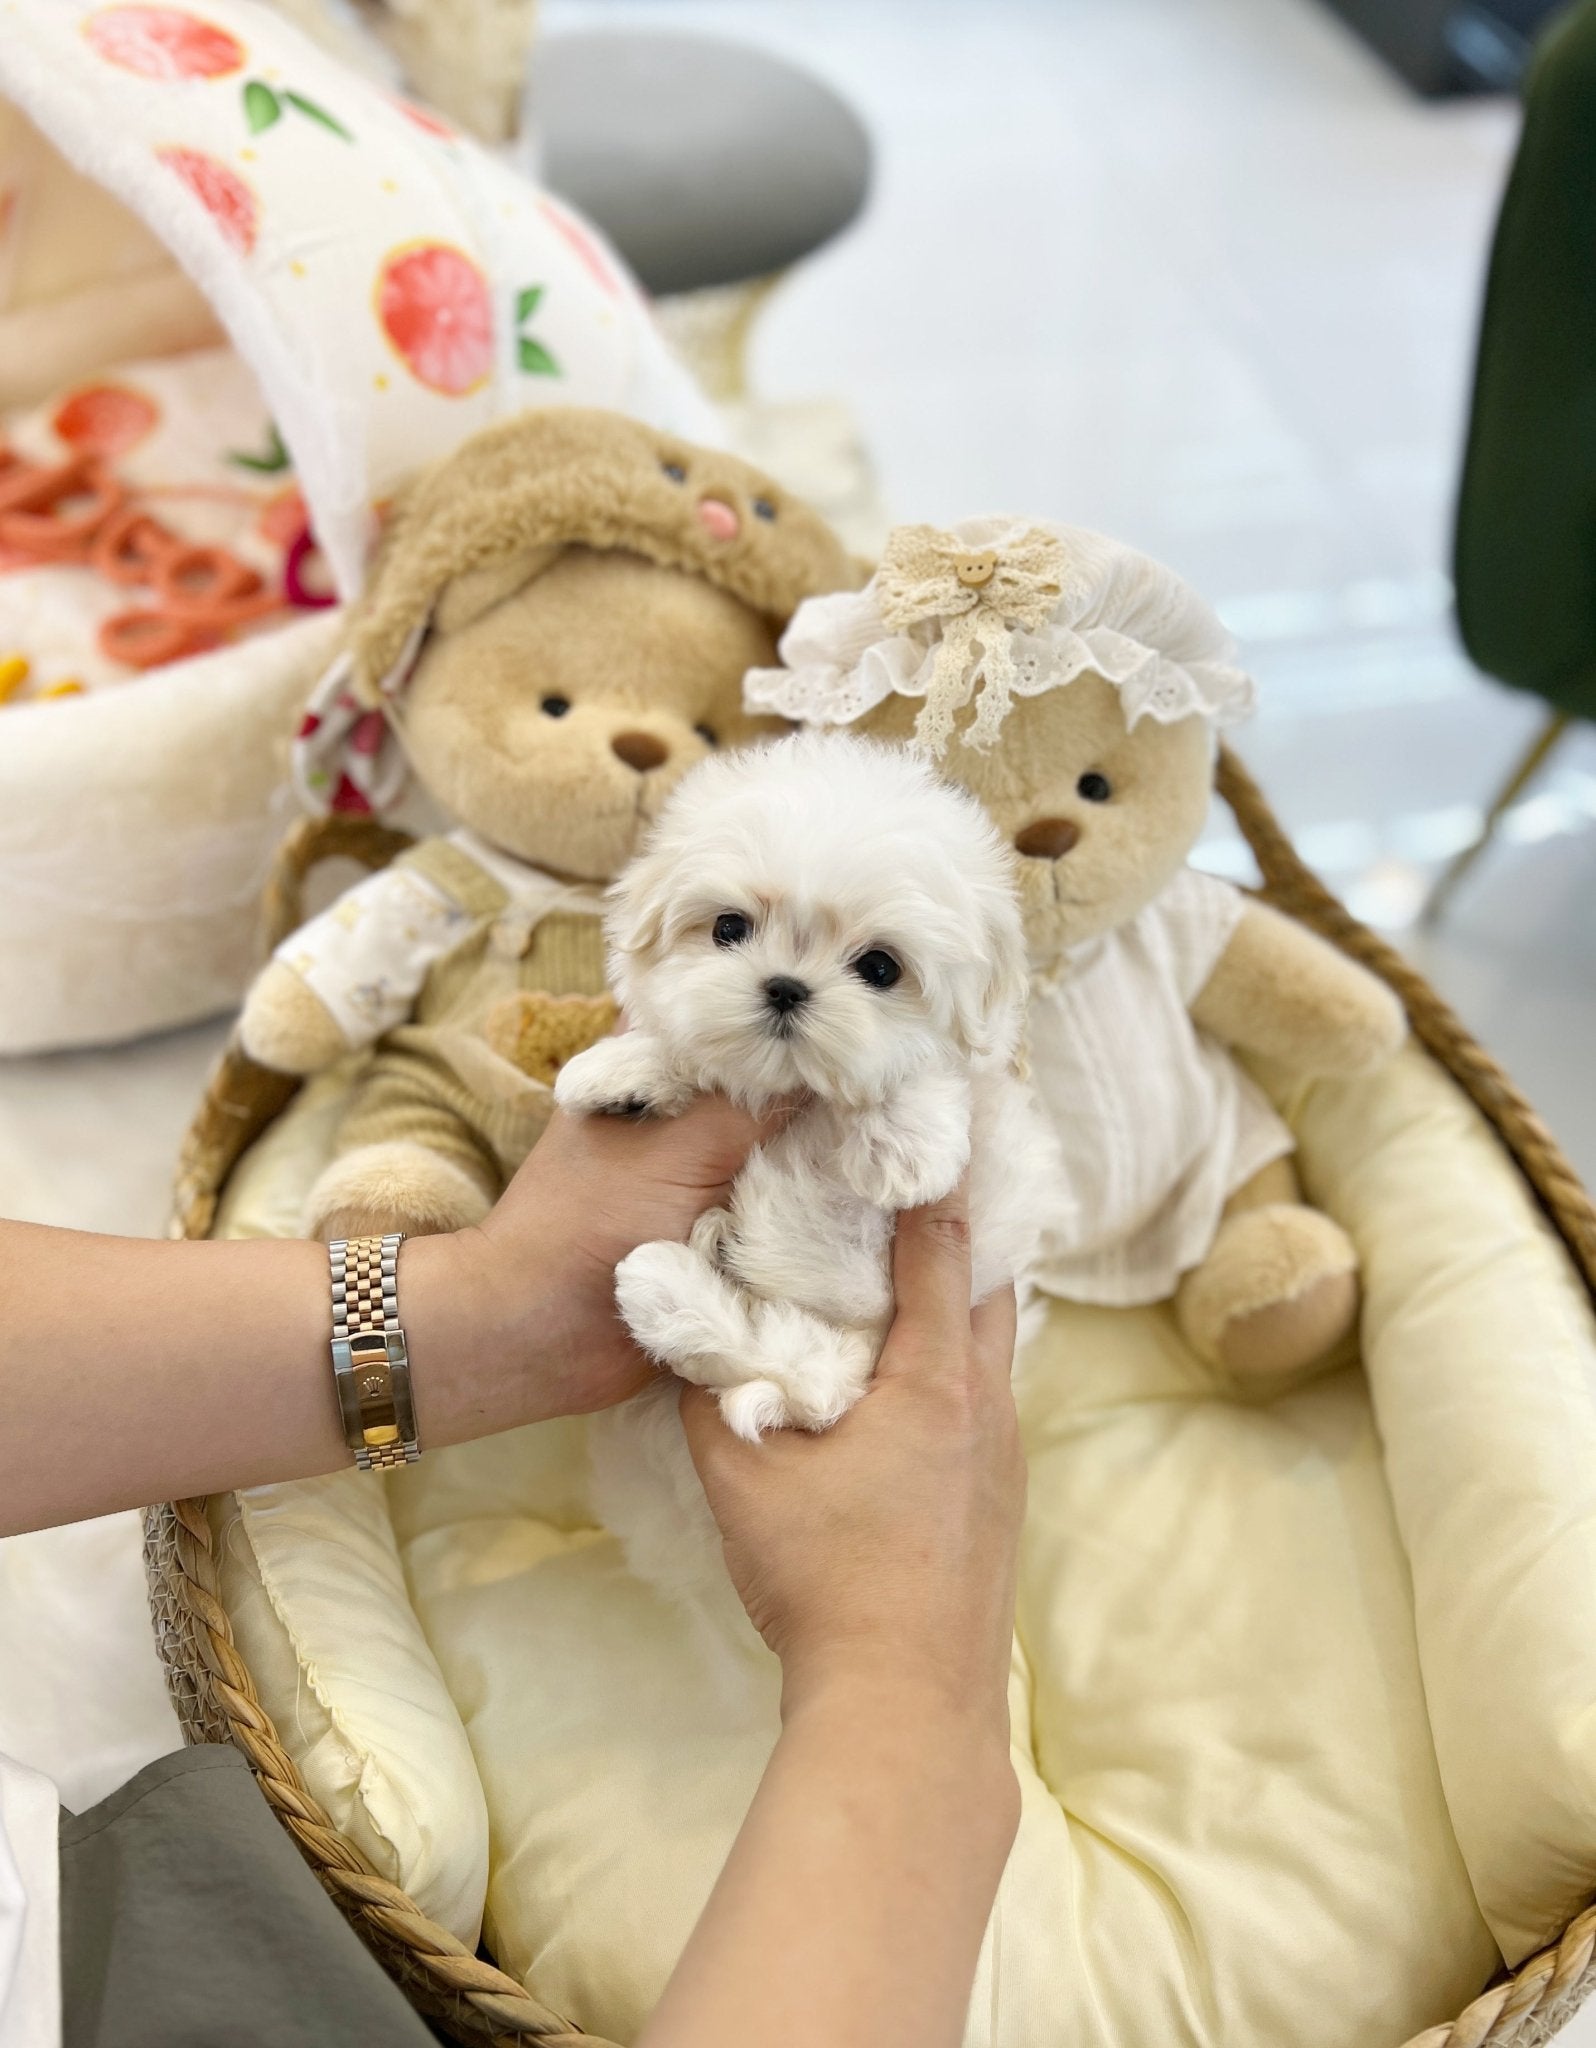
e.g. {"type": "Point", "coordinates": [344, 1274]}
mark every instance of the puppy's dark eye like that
{"type": "Point", "coordinates": [878, 968]}
{"type": "Point", "coordinates": [555, 707]}
{"type": "Point", "coordinates": [708, 735]}
{"type": "Point", "coordinates": [1097, 789]}
{"type": "Point", "coordinates": [675, 472]}
{"type": "Point", "coordinates": [731, 928]}
{"type": "Point", "coordinates": [763, 509]}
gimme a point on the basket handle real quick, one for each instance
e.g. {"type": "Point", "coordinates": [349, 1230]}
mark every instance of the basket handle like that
{"type": "Point", "coordinates": [339, 836]}
{"type": "Point", "coordinates": [1293, 887]}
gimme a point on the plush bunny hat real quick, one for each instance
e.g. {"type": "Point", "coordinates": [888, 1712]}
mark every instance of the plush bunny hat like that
{"type": "Point", "coordinates": [1012, 609]}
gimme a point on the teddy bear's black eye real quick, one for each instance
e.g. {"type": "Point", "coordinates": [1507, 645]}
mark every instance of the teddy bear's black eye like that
{"type": "Point", "coordinates": [708, 735]}
{"type": "Point", "coordinates": [731, 928]}
{"type": "Point", "coordinates": [1097, 789]}
{"type": "Point", "coordinates": [555, 707]}
{"type": "Point", "coordinates": [878, 968]}
{"type": "Point", "coordinates": [675, 472]}
{"type": "Point", "coordinates": [764, 509]}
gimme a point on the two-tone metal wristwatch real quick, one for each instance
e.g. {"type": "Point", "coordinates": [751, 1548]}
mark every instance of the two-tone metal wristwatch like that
{"type": "Point", "coordinates": [371, 1366]}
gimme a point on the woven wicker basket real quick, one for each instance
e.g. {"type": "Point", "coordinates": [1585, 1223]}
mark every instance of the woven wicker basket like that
{"type": "Point", "coordinates": [466, 1997]}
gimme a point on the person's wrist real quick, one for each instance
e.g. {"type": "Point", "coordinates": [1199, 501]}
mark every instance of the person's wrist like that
{"type": "Point", "coordinates": [474, 1368]}
{"type": "Point", "coordinates": [954, 1744]}
{"type": "Point", "coordinates": [957, 1696]}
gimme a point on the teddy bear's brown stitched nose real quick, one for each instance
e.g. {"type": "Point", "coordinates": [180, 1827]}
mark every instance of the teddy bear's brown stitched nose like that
{"type": "Point", "coordinates": [1047, 839]}
{"type": "Point", "coordinates": [639, 750]}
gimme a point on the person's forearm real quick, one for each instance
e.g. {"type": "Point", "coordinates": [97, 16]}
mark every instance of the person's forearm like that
{"type": "Point", "coordinates": [133, 1371]}
{"type": "Point", "coordinates": [851, 1909]}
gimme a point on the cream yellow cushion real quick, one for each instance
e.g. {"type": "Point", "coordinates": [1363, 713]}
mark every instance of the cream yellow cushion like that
{"type": "Point", "coordinates": [1301, 1691]}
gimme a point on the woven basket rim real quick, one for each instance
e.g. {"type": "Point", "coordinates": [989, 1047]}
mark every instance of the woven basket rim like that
{"type": "Point", "coordinates": [215, 1693]}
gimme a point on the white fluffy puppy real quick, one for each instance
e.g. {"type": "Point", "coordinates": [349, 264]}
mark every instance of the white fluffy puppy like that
{"type": "Point", "coordinates": [824, 922]}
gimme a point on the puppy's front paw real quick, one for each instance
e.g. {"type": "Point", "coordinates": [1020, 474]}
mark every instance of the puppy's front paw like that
{"type": "Point", "coordinates": [895, 1162]}
{"type": "Point", "coordinates": [625, 1076]}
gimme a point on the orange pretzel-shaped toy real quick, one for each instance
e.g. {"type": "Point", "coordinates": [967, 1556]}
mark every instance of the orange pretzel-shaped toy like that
{"type": "Point", "coordinates": [77, 511]}
{"type": "Point", "coordinates": [54, 513]}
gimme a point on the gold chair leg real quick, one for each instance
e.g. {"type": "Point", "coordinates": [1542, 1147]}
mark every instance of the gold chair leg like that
{"type": "Point", "coordinates": [710, 331]}
{"type": "Point", "coordinates": [1540, 748]}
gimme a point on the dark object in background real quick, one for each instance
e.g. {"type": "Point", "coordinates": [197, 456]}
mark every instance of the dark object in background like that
{"type": "Point", "coordinates": [1453, 46]}
{"type": "Point", "coordinates": [189, 1920]}
{"type": "Point", "coordinates": [1524, 557]}
{"type": "Point", "coordinates": [705, 162]}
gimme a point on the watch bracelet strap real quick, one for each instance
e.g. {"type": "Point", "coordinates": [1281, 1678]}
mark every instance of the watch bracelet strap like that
{"type": "Point", "coordinates": [371, 1366]}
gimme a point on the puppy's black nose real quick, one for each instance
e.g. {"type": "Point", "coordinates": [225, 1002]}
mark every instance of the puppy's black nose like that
{"type": "Point", "coordinates": [784, 994]}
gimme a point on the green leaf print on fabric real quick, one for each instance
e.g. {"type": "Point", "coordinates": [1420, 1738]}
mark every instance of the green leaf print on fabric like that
{"type": "Point", "coordinates": [261, 106]}
{"type": "Point", "coordinates": [533, 357]}
{"type": "Point", "coordinates": [272, 463]}
{"type": "Point", "coordinates": [315, 113]}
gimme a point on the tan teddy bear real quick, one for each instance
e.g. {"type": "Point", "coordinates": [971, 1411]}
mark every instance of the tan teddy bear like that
{"type": "Point", "coordinates": [1074, 686]}
{"type": "Point", "coordinates": [555, 630]}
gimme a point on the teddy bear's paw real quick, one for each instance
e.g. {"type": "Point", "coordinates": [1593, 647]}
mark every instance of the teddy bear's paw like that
{"type": "Point", "coordinates": [539, 1034]}
{"type": "Point", "coordinates": [287, 1027]}
{"type": "Point", "coordinates": [626, 1076]}
{"type": "Point", "coordinates": [398, 1186]}
{"type": "Point", "coordinates": [1277, 1293]}
{"type": "Point", "coordinates": [683, 1313]}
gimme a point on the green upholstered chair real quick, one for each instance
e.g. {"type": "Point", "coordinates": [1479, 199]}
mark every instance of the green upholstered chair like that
{"type": "Point", "coordinates": [1526, 523]}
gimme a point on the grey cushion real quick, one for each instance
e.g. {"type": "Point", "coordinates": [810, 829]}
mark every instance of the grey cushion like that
{"type": "Point", "coordinates": [705, 162]}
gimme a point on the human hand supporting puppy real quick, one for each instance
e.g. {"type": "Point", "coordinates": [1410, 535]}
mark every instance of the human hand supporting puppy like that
{"type": "Point", "coordinates": [590, 1191]}
{"type": "Point", "coordinates": [885, 1548]}
{"type": "Point", "coordinates": [510, 1322]}
{"type": "Point", "coordinates": [878, 1561]}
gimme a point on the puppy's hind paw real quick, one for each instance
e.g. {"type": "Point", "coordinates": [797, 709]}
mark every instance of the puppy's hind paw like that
{"type": "Point", "coordinates": [753, 1408]}
{"type": "Point", "coordinates": [681, 1311]}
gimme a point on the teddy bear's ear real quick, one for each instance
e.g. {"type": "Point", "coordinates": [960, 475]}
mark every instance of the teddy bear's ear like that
{"type": "Point", "coordinates": [468, 596]}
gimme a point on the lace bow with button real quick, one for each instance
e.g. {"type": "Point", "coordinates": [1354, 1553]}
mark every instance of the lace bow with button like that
{"type": "Point", "coordinates": [982, 596]}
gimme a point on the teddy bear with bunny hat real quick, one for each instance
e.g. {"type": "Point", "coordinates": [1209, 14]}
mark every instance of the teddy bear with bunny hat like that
{"type": "Point", "coordinates": [1075, 686]}
{"type": "Point", "coordinates": [555, 630]}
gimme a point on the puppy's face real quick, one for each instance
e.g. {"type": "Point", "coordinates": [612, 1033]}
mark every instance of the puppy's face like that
{"type": "Point", "coordinates": [820, 916]}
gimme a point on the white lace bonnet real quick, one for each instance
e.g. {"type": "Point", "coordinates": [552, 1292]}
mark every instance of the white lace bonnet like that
{"type": "Point", "coordinates": [1016, 608]}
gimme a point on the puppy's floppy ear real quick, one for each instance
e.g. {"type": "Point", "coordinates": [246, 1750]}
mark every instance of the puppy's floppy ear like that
{"type": "Point", "coordinates": [989, 990]}
{"type": "Point", "coordinates": [467, 597]}
{"type": "Point", "coordinates": [635, 924]}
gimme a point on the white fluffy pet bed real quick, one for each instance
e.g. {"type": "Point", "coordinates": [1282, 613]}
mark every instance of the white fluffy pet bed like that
{"type": "Point", "coordinates": [253, 291]}
{"type": "Point", "coordinates": [1304, 1694]}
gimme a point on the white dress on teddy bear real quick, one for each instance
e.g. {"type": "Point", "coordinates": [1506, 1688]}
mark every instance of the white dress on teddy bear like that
{"type": "Point", "coordinates": [1153, 1145]}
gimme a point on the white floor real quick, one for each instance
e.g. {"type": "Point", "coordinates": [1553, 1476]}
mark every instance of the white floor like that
{"type": "Point", "coordinates": [1203, 274]}
{"type": "Point", "coordinates": [1198, 272]}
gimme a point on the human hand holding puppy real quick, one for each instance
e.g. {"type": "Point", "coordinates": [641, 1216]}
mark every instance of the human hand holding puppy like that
{"type": "Point", "coordinates": [883, 1552]}
{"type": "Point", "coordinates": [878, 1560]}
{"type": "Point", "coordinates": [589, 1192]}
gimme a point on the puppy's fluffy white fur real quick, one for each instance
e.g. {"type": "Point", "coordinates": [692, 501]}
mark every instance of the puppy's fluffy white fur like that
{"type": "Point", "coordinates": [821, 920]}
